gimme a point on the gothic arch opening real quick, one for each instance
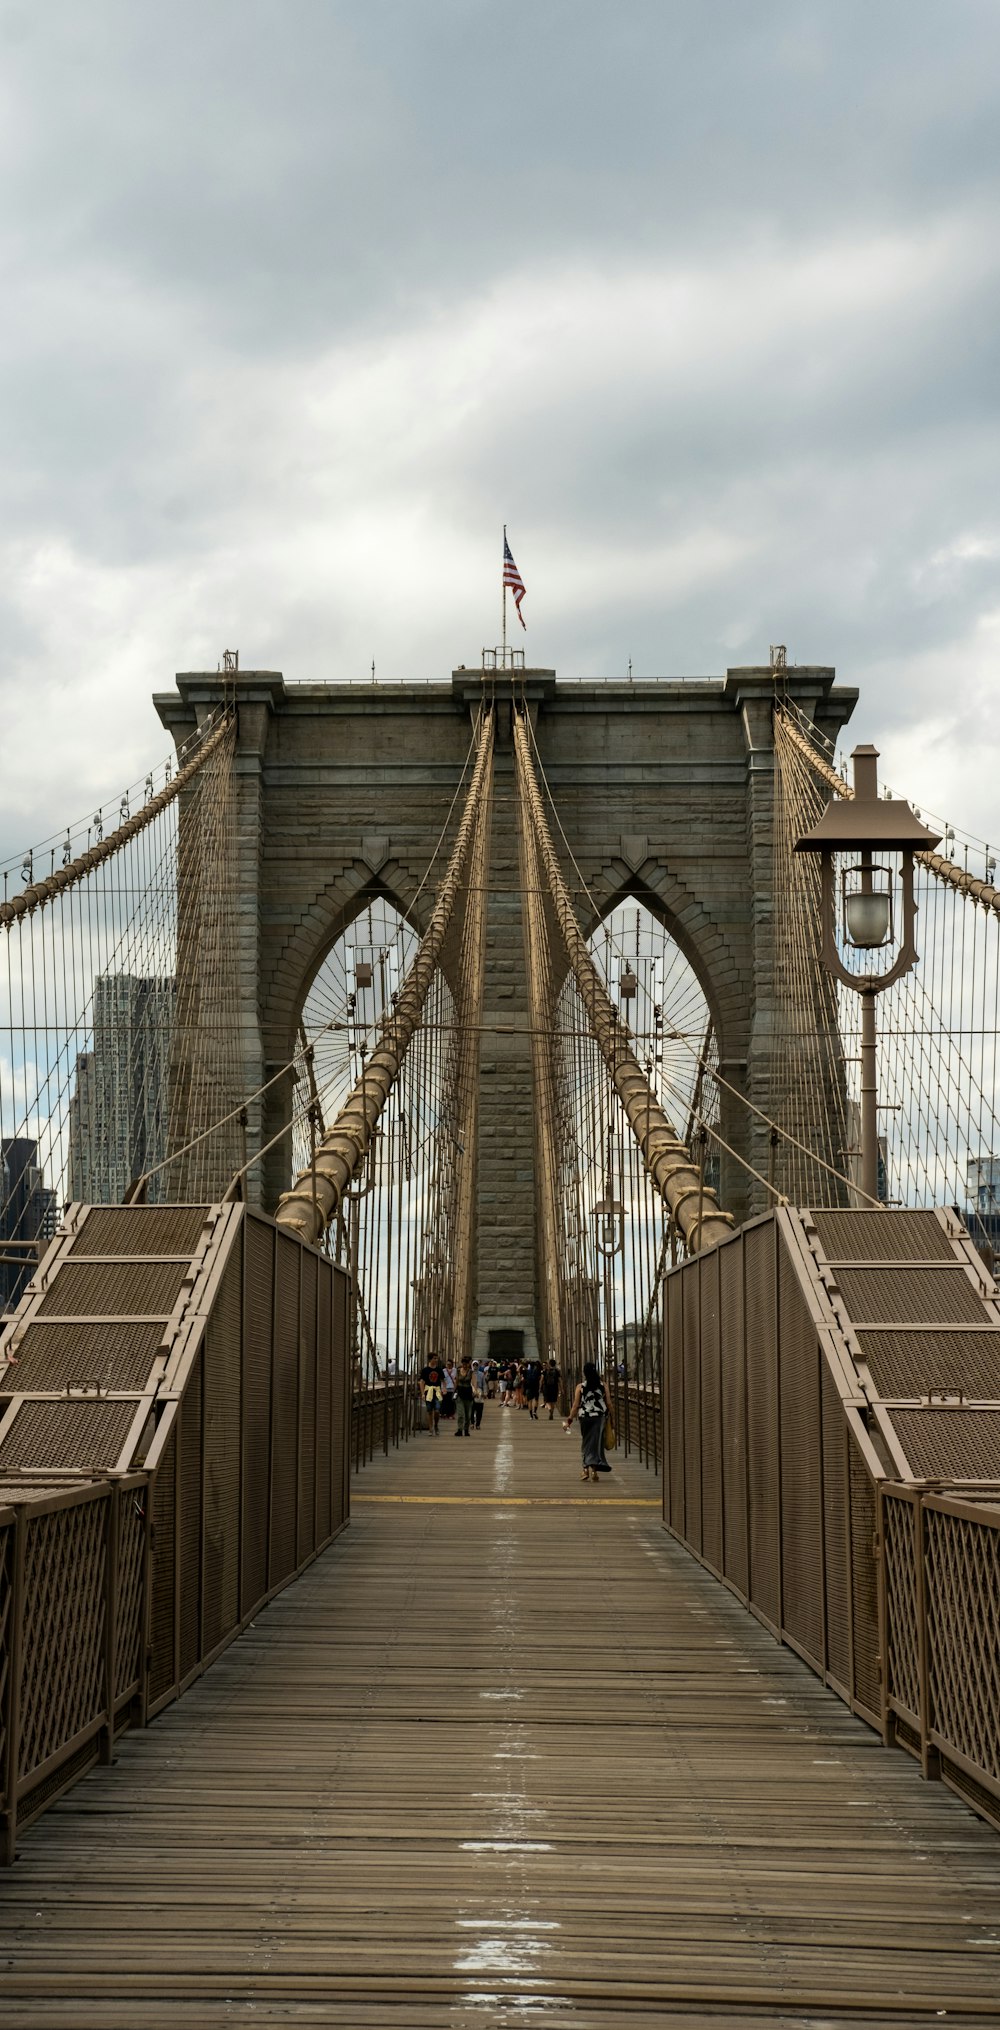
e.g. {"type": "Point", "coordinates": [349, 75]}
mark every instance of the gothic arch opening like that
{"type": "Point", "coordinates": [348, 995]}
{"type": "Point", "coordinates": [393, 1229]}
{"type": "Point", "coordinates": [657, 990]}
{"type": "Point", "coordinates": [612, 1234]}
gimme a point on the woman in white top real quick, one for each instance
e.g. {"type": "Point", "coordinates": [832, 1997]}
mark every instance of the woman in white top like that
{"type": "Point", "coordinates": [590, 1409]}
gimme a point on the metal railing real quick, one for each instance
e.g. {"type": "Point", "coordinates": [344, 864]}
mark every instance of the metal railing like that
{"type": "Point", "coordinates": [940, 1615]}
{"type": "Point", "coordinates": [252, 1460]}
{"type": "Point", "coordinates": [382, 1418]}
{"type": "Point", "coordinates": [769, 1474]}
{"type": "Point", "coordinates": [74, 1566]}
{"type": "Point", "coordinates": [635, 1406]}
{"type": "Point", "coordinates": [116, 1595]}
{"type": "Point", "coordinates": [775, 1476]}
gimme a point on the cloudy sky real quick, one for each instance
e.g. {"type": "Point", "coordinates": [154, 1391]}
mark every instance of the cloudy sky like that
{"type": "Point", "coordinates": [305, 298]}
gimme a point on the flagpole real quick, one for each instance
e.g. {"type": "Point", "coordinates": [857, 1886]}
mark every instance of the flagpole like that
{"type": "Point", "coordinates": [503, 576]}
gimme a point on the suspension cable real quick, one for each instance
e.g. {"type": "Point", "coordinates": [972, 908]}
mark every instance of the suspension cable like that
{"type": "Point", "coordinates": [76, 870]}
{"type": "Point", "coordinates": [944, 869]}
{"type": "Point", "coordinates": [311, 1204]}
{"type": "Point", "coordinates": [693, 1204]}
{"type": "Point", "coordinates": [713, 1071]}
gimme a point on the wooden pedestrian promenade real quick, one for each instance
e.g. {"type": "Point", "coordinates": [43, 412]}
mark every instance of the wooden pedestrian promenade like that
{"type": "Point", "coordinates": [504, 1756]}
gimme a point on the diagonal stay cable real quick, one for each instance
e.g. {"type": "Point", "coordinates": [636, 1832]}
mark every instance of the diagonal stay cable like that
{"type": "Point", "coordinates": [678, 1178]}
{"type": "Point", "coordinates": [312, 1202]}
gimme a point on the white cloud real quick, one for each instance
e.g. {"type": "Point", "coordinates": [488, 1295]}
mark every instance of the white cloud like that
{"type": "Point", "coordinates": [276, 377]}
{"type": "Point", "coordinates": [938, 733]}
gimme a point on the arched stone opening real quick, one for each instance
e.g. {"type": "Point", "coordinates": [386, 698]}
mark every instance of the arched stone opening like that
{"type": "Point", "coordinates": [313, 966]}
{"type": "Point", "coordinates": [343, 1005]}
{"type": "Point", "coordinates": [660, 996]}
{"type": "Point", "coordinates": [706, 969]}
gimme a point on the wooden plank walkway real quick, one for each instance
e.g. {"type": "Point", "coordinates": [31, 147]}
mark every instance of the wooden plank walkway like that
{"type": "Point", "coordinates": [505, 1756]}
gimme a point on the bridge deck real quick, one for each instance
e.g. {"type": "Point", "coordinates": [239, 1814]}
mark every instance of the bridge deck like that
{"type": "Point", "coordinates": [494, 1760]}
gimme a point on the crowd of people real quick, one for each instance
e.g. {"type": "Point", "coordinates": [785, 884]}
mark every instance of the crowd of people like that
{"type": "Point", "coordinates": [456, 1393]}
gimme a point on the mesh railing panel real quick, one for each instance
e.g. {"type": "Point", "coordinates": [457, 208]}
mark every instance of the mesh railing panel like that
{"type": "Point", "coordinates": [802, 1557]}
{"type": "Point", "coordinates": [674, 1438]}
{"type": "Point", "coordinates": [164, 1518]}
{"type": "Point", "coordinates": [140, 1230]}
{"type": "Point", "coordinates": [867, 1686]}
{"type": "Point", "coordinates": [762, 1421]}
{"type": "Point", "coordinates": [62, 1661]}
{"type": "Point", "coordinates": [285, 1411]}
{"type": "Point", "coordinates": [259, 1280]}
{"type": "Point", "coordinates": [836, 1533]}
{"type": "Point", "coordinates": [189, 1521]}
{"type": "Point", "coordinates": [128, 1616]}
{"type": "Point", "coordinates": [882, 1237]}
{"type": "Point", "coordinates": [6, 1612]}
{"type": "Point", "coordinates": [221, 1474]}
{"type": "Point", "coordinates": [324, 1409]}
{"type": "Point", "coordinates": [114, 1289]}
{"type": "Point", "coordinates": [692, 1408]}
{"type": "Point", "coordinates": [921, 1297]}
{"type": "Point", "coordinates": [66, 1434]}
{"type": "Point", "coordinates": [950, 1444]}
{"type": "Point", "coordinates": [962, 1576]}
{"type": "Point", "coordinates": [707, 1271]}
{"type": "Point", "coordinates": [340, 1451]}
{"type": "Point", "coordinates": [307, 1411]}
{"type": "Point", "coordinates": [908, 1364]}
{"type": "Point", "coordinates": [900, 1579]}
{"type": "Point", "coordinates": [734, 1435]}
{"type": "Point", "coordinates": [117, 1356]}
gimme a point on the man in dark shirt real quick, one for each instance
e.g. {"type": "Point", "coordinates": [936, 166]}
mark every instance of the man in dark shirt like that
{"type": "Point", "coordinates": [431, 1380]}
{"type": "Point", "coordinates": [551, 1385]}
{"type": "Point", "coordinates": [532, 1384]}
{"type": "Point", "coordinates": [465, 1395]}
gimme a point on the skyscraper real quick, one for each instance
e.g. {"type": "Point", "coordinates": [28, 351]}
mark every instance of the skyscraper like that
{"type": "Point", "coordinates": [27, 1213]}
{"type": "Point", "coordinates": [119, 1110]}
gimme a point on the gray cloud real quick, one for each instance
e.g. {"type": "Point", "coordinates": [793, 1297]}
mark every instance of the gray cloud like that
{"type": "Point", "coordinates": [302, 301]}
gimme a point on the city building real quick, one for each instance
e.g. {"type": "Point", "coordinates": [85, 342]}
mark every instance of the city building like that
{"type": "Point", "coordinates": [27, 1214]}
{"type": "Point", "coordinates": [981, 1211]}
{"type": "Point", "coordinates": [120, 1107]}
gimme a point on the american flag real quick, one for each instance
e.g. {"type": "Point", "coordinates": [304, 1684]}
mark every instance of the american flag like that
{"type": "Point", "coordinates": [513, 578]}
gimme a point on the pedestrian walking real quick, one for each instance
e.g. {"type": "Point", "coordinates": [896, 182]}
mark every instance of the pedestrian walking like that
{"type": "Point", "coordinates": [448, 1396]}
{"type": "Point", "coordinates": [532, 1385]}
{"type": "Point", "coordinates": [465, 1395]}
{"type": "Point", "coordinates": [590, 1409]}
{"type": "Point", "coordinates": [431, 1379]}
{"type": "Point", "coordinates": [551, 1385]}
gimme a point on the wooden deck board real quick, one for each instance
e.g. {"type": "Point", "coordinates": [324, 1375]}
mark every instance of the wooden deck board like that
{"type": "Point", "coordinates": [503, 1758]}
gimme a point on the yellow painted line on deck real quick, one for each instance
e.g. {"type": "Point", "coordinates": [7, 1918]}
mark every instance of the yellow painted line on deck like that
{"type": "Point", "coordinates": [508, 1500]}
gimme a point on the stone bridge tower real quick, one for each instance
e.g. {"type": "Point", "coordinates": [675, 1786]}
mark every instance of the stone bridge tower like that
{"type": "Point", "coordinates": [665, 792]}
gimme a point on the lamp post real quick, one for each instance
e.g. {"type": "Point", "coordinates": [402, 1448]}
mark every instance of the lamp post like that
{"type": "Point", "coordinates": [849, 835]}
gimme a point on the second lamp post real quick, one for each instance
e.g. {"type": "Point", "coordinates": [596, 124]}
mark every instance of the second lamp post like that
{"type": "Point", "coordinates": [849, 836]}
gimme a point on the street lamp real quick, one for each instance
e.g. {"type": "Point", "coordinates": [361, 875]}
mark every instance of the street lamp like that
{"type": "Point", "coordinates": [866, 845]}
{"type": "Point", "coordinates": [609, 1217]}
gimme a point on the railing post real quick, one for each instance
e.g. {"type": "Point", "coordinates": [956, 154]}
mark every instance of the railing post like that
{"type": "Point", "coordinates": [882, 1582]}
{"type": "Point", "coordinates": [146, 1604]}
{"type": "Point", "coordinates": [107, 1734]}
{"type": "Point", "coordinates": [12, 1749]}
{"type": "Point", "coordinates": [929, 1760]}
